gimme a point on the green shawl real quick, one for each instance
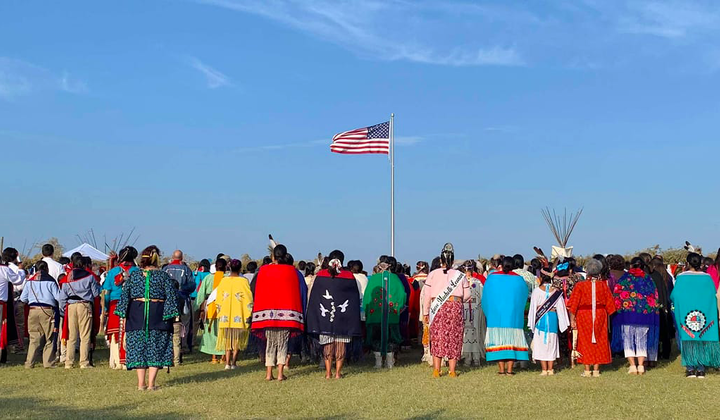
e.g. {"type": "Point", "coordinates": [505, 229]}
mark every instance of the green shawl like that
{"type": "Point", "coordinates": [383, 302]}
{"type": "Point", "coordinates": [373, 298]}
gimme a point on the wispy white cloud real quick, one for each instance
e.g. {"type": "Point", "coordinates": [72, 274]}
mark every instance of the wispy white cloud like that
{"type": "Point", "coordinates": [577, 34]}
{"type": "Point", "coordinates": [400, 141]}
{"type": "Point", "coordinates": [501, 129]}
{"type": "Point", "coordinates": [669, 19]}
{"type": "Point", "coordinates": [18, 78]}
{"type": "Point", "coordinates": [270, 147]}
{"type": "Point", "coordinates": [497, 56]}
{"type": "Point", "coordinates": [408, 140]}
{"type": "Point", "coordinates": [15, 77]}
{"type": "Point", "coordinates": [370, 29]}
{"type": "Point", "coordinates": [213, 77]}
{"type": "Point", "coordinates": [72, 85]}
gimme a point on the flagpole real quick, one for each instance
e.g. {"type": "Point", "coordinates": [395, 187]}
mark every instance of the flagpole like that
{"type": "Point", "coordinates": [392, 185]}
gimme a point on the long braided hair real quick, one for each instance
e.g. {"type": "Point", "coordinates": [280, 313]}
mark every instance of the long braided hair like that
{"type": "Point", "coordinates": [447, 257]}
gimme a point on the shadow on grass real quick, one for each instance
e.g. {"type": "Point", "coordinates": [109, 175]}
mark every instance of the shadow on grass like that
{"type": "Point", "coordinates": [218, 374]}
{"type": "Point", "coordinates": [46, 409]}
{"type": "Point", "coordinates": [429, 415]}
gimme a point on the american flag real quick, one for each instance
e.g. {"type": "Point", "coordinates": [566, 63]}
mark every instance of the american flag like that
{"type": "Point", "coordinates": [373, 139]}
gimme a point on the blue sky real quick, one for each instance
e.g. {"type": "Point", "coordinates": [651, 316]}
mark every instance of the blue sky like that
{"type": "Point", "coordinates": [206, 124]}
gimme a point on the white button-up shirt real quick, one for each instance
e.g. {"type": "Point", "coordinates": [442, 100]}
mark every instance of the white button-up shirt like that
{"type": "Point", "coordinates": [10, 274]}
{"type": "Point", "coordinates": [54, 268]}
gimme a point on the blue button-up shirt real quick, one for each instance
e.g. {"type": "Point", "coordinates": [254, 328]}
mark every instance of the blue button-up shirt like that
{"type": "Point", "coordinates": [42, 290]}
{"type": "Point", "coordinates": [83, 288]}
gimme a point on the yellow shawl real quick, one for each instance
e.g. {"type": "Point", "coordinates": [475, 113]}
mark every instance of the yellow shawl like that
{"type": "Point", "coordinates": [234, 304]}
{"type": "Point", "coordinates": [211, 310]}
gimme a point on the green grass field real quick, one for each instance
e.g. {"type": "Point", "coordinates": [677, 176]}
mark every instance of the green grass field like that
{"type": "Point", "coordinates": [201, 390]}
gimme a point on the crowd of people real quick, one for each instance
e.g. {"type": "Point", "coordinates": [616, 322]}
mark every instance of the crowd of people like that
{"type": "Point", "coordinates": [505, 311]}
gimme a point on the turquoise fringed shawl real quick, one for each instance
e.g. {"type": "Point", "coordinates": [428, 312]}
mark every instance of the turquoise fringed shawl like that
{"type": "Point", "coordinates": [696, 318]}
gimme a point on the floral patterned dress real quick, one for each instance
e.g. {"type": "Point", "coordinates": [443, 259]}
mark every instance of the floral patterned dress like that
{"type": "Point", "coordinates": [149, 303]}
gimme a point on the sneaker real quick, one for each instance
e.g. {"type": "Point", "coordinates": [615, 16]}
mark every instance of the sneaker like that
{"type": "Point", "coordinates": [227, 367]}
{"type": "Point", "coordinates": [596, 374]}
{"type": "Point", "coordinates": [544, 373]}
{"type": "Point", "coordinates": [551, 372]}
{"type": "Point", "coordinates": [632, 370]}
{"type": "Point", "coordinates": [233, 367]}
{"type": "Point", "coordinates": [700, 374]}
{"type": "Point", "coordinates": [690, 374]}
{"type": "Point", "coordinates": [641, 370]}
{"type": "Point", "coordinates": [378, 361]}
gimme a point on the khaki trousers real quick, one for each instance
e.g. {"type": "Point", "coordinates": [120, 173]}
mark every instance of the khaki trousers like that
{"type": "Point", "coordinates": [177, 343]}
{"type": "Point", "coordinates": [41, 322]}
{"type": "Point", "coordinates": [79, 327]}
{"type": "Point", "coordinates": [60, 351]}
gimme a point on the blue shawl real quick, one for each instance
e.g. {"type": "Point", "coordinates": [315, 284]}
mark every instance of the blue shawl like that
{"type": "Point", "coordinates": [503, 300]}
{"type": "Point", "coordinates": [696, 317]}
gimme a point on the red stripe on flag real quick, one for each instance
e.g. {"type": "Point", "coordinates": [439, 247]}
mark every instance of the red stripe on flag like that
{"type": "Point", "coordinates": [362, 153]}
{"type": "Point", "coordinates": [356, 142]}
{"type": "Point", "coordinates": [361, 150]}
{"type": "Point", "coordinates": [361, 143]}
{"type": "Point", "coordinates": [360, 133]}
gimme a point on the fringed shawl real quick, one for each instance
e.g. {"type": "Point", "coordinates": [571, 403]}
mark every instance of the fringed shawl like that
{"type": "Point", "coordinates": [234, 307]}
{"type": "Point", "coordinates": [696, 317]}
{"type": "Point", "coordinates": [636, 304]}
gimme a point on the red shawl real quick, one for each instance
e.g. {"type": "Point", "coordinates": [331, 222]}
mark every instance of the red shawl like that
{"type": "Point", "coordinates": [124, 268]}
{"type": "Point", "coordinates": [414, 308]}
{"type": "Point", "coordinates": [277, 299]}
{"type": "Point", "coordinates": [479, 277]}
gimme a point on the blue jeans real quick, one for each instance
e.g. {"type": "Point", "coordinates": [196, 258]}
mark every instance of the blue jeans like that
{"type": "Point", "coordinates": [699, 368]}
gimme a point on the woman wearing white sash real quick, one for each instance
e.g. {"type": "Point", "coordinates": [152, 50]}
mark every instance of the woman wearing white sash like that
{"type": "Point", "coordinates": [547, 318]}
{"type": "Point", "coordinates": [446, 290]}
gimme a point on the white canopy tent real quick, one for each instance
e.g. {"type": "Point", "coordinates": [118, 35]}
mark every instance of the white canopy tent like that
{"type": "Point", "coordinates": [88, 250]}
